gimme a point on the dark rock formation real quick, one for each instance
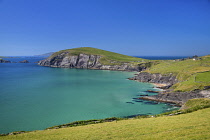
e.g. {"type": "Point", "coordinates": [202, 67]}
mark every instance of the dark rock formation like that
{"type": "Point", "coordinates": [24, 61]}
{"type": "Point", "coordinates": [178, 97]}
{"type": "Point", "coordinates": [84, 61]}
{"type": "Point", "coordinates": [4, 61]}
{"type": "Point", "coordinates": [169, 79]}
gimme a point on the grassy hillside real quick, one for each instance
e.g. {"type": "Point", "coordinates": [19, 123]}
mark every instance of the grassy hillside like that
{"type": "Point", "coordinates": [194, 125]}
{"type": "Point", "coordinates": [108, 58]}
{"type": "Point", "coordinates": [192, 74]}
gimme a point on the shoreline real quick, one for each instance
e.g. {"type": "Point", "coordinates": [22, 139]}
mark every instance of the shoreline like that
{"type": "Point", "coordinates": [157, 85]}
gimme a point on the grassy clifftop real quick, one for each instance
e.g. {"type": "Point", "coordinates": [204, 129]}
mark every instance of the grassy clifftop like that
{"type": "Point", "coordinates": [108, 58]}
{"type": "Point", "coordinates": [192, 74]}
{"type": "Point", "coordinates": [195, 125]}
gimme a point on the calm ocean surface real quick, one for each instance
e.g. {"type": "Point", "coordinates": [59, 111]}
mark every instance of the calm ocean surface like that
{"type": "Point", "coordinates": [34, 97]}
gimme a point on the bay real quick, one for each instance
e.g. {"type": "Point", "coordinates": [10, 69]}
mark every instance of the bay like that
{"type": "Point", "coordinates": [33, 97]}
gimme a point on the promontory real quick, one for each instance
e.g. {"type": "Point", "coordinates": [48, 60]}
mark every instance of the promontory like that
{"type": "Point", "coordinates": [180, 79]}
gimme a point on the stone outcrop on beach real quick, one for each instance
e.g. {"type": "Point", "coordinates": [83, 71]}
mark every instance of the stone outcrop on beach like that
{"type": "Point", "coordinates": [84, 61]}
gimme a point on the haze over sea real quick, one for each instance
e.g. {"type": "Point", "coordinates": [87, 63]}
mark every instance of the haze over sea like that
{"type": "Point", "coordinates": [33, 97]}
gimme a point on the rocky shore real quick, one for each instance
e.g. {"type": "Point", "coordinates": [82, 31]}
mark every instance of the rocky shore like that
{"type": "Point", "coordinates": [163, 81]}
{"type": "Point", "coordinates": [168, 95]}
{"type": "Point", "coordinates": [178, 98]}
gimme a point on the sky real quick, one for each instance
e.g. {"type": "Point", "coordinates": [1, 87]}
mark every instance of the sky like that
{"type": "Point", "coordinates": [130, 27]}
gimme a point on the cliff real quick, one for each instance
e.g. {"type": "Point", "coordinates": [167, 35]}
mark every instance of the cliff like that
{"type": "Point", "coordinates": [91, 58]}
{"type": "Point", "coordinates": [167, 79]}
{"type": "Point", "coordinates": [168, 95]}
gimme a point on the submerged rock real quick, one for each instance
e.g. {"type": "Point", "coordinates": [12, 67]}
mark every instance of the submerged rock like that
{"type": "Point", "coordinates": [130, 102]}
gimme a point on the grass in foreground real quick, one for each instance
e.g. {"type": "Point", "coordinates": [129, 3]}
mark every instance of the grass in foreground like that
{"type": "Point", "coordinates": [195, 125]}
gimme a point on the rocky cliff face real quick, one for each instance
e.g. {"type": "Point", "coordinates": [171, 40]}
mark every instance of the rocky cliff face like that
{"type": "Point", "coordinates": [169, 79]}
{"type": "Point", "coordinates": [84, 61]}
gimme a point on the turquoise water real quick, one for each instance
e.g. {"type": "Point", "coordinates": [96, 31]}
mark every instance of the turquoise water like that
{"type": "Point", "coordinates": [34, 97]}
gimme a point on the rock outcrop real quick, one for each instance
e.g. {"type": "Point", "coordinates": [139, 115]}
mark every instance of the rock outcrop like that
{"type": "Point", "coordinates": [178, 97]}
{"type": "Point", "coordinates": [24, 61]}
{"type": "Point", "coordinates": [84, 61]}
{"type": "Point", "coordinates": [168, 80]}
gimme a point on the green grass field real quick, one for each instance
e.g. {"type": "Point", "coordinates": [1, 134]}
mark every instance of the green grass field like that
{"type": "Point", "coordinates": [195, 125]}
{"type": "Point", "coordinates": [108, 58]}
{"type": "Point", "coordinates": [203, 77]}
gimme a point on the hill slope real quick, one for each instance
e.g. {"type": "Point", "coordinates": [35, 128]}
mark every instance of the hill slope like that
{"type": "Point", "coordinates": [107, 56]}
{"type": "Point", "coordinates": [92, 58]}
{"type": "Point", "coordinates": [191, 74]}
{"type": "Point", "coordinates": [180, 75]}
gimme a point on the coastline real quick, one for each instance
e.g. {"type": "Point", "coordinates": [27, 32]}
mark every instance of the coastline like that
{"type": "Point", "coordinates": [156, 85]}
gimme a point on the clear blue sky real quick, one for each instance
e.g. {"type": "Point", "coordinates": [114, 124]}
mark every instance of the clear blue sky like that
{"type": "Point", "coordinates": [131, 27]}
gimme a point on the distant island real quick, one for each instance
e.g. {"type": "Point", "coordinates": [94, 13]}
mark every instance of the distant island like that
{"type": "Point", "coordinates": [7, 61]}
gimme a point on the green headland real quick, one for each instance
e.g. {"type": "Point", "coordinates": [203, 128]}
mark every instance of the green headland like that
{"type": "Point", "coordinates": [108, 58]}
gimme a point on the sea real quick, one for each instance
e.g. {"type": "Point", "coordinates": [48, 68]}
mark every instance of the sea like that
{"type": "Point", "coordinates": [34, 97]}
